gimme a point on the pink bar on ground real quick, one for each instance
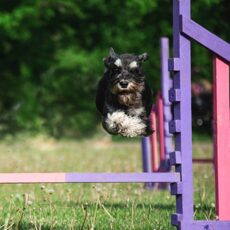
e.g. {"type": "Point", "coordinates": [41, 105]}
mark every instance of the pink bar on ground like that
{"type": "Point", "coordinates": [14, 178]}
{"type": "Point", "coordinates": [222, 137]}
{"type": "Point", "coordinates": [161, 126]}
{"type": "Point", "coordinates": [153, 139]}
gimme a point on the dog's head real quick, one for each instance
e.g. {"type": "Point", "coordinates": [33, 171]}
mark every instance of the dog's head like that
{"type": "Point", "coordinates": [126, 78]}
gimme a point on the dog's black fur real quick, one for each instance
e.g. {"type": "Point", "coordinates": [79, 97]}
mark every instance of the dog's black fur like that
{"type": "Point", "coordinates": [123, 88]}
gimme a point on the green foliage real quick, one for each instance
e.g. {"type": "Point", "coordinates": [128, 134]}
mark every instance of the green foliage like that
{"type": "Point", "coordinates": [51, 55]}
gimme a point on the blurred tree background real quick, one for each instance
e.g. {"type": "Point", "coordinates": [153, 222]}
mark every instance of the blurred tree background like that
{"type": "Point", "coordinates": [51, 55]}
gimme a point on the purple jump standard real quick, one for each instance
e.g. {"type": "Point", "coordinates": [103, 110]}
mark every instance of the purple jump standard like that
{"type": "Point", "coordinates": [160, 117]}
{"type": "Point", "coordinates": [146, 159]}
{"type": "Point", "coordinates": [164, 109]}
{"type": "Point", "coordinates": [166, 85]}
{"type": "Point", "coordinates": [181, 126]}
{"type": "Point", "coordinates": [185, 29]}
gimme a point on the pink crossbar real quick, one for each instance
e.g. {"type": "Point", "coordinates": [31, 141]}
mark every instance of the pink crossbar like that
{"type": "Point", "coordinates": [161, 126]}
{"type": "Point", "coordinates": [222, 137]}
{"type": "Point", "coordinates": [9, 178]}
{"type": "Point", "coordinates": [153, 139]}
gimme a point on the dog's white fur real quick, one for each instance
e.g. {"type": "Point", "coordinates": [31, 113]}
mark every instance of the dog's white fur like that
{"type": "Point", "coordinates": [133, 64]}
{"type": "Point", "coordinates": [118, 62]}
{"type": "Point", "coordinates": [126, 125]}
{"type": "Point", "coordinates": [136, 112]}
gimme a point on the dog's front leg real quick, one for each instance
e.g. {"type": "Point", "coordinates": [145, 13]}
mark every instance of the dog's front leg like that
{"type": "Point", "coordinates": [110, 126]}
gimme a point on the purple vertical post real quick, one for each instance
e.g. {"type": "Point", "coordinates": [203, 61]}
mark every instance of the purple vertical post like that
{"type": "Point", "coordinates": [166, 85]}
{"type": "Point", "coordinates": [145, 145]}
{"type": "Point", "coordinates": [181, 126]}
{"type": "Point", "coordinates": [146, 157]}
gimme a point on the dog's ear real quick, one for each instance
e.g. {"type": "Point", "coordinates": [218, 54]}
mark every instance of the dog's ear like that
{"type": "Point", "coordinates": [106, 62]}
{"type": "Point", "coordinates": [112, 57]}
{"type": "Point", "coordinates": [142, 57]}
{"type": "Point", "coordinates": [112, 53]}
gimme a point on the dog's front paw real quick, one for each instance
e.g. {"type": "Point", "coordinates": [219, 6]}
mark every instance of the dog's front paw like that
{"type": "Point", "coordinates": [132, 127]}
{"type": "Point", "coordinates": [112, 122]}
{"type": "Point", "coordinates": [110, 128]}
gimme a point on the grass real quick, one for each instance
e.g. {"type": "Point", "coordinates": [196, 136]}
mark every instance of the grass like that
{"type": "Point", "coordinates": [90, 206]}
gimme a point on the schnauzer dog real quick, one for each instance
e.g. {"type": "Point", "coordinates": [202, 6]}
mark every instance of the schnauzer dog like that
{"type": "Point", "coordinates": [123, 96]}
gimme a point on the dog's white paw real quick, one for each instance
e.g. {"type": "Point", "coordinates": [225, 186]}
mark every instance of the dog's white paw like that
{"type": "Point", "coordinates": [132, 127]}
{"type": "Point", "coordinates": [125, 125]}
{"type": "Point", "coordinates": [113, 121]}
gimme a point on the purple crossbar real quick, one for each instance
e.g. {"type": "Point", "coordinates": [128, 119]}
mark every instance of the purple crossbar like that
{"type": "Point", "coordinates": [205, 38]}
{"type": "Point", "coordinates": [206, 225]}
{"type": "Point", "coordinates": [121, 177]}
{"type": "Point", "coordinates": [17, 178]}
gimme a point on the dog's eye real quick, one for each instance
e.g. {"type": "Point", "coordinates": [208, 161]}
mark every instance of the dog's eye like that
{"type": "Point", "coordinates": [116, 69]}
{"type": "Point", "coordinates": [134, 70]}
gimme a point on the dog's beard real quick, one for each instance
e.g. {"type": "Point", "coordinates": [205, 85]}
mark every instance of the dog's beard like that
{"type": "Point", "coordinates": [130, 95]}
{"type": "Point", "coordinates": [127, 99]}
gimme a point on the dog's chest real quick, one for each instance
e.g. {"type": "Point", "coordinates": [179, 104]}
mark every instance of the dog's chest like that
{"type": "Point", "coordinates": [140, 111]}
{"type": "Point", "coordinates": [131, 111]}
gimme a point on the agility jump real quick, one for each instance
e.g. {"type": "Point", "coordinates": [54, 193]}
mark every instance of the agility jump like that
{"type": "Point", "coordinates": [184, 30]}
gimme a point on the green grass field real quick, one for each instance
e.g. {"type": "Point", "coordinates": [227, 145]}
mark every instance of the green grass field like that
{"type": "Point", "coordinates": [91, 206]}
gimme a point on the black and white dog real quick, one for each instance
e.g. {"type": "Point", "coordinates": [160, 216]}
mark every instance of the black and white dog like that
{"type": "Point", "coordinates": [123, 97]}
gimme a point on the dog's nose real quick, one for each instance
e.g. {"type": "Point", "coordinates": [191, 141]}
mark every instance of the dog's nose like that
{"type": "Point", "coordinates": [123, 84]}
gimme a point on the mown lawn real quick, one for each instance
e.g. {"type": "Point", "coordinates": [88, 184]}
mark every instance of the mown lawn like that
{"type": "Point", "coordinates": [90, 206]}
